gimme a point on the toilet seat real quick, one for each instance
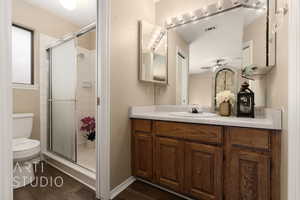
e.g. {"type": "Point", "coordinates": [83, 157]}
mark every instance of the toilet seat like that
{"type": "Point", "coordinates": [25, 148]}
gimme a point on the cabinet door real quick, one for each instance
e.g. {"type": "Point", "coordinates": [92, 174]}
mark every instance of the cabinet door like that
{"type": "Point", "coordinates": [169, 163]}
{"type": "Point", "coordinates": [143, 159]}
{"type": "Point", "coordinates": [203, 171]}
{"type": "Point", "coordinates": [249, 176]}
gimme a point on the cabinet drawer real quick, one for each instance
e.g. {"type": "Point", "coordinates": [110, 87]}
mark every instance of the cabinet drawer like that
{"type": "Point", "coordinates": [252, 138]}
{"type": "Point", "coordinates": [169, 129]}
{"type": "Point", "coordinates": [194, 132]}
{"type": "Point", "coordinates": [142, 125]}
{"type": "Point", "coordinates": [204, 133]}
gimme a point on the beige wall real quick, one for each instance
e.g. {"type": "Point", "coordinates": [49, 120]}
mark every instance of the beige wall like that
{"type": "Point", "coordinates": [126, 90]}
{"type": "Point", "coordinates": [166, 95]}
{"type": "Point", "coordinates": [277, 95]}
{"type": "Point", "coordinates": [88, 40]}
{"type": "Point", "coordinates": [256, 32]}
{"type": "Point", "coordinates": [200, 89]}
{"type": "Point", "coordinates": [42, 21]}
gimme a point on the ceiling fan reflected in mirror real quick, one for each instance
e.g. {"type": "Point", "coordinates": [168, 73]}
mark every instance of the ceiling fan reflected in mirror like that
{"type": "Point", "coordinates": [216, 63]}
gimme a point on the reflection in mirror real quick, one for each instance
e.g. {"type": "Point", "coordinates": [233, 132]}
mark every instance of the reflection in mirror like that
{"type": "Point", "coordinates": [213, 50]}
{"type": "Point", "coordinates": [225, 79]}
{"type": "Point", "coordinates": [255, 39]}
{"type": "Point", "coordinates": [201, 45]}
{"type": "Point", "coordinates": [153, 53]}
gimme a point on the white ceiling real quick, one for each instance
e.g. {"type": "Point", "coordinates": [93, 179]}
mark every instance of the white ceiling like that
{"type": "Point", "coordinates": [84, 14]}
{"type": "Point", "coordinates": [192, 32]}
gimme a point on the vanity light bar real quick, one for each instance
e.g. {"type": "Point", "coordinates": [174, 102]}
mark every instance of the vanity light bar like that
{"type": "Point", "coordinates": [173, 23]}
{"type": "Point", "coordinates": [235, 2]}
{"type": "Point", "coordinates": [158, 41]}
{"type": "Point", "coordinates": [204, 12]}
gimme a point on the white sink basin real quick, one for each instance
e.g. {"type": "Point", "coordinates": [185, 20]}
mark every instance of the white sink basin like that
{"type": "Point", "coordinates": [193, 115]}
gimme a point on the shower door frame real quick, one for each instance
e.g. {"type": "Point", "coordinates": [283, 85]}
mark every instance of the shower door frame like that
{"type": "Point", "coordinates": [75, 36]}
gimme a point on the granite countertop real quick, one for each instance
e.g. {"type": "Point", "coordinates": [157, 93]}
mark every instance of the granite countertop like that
{"type": "Point", "coordinates": [268, 119]}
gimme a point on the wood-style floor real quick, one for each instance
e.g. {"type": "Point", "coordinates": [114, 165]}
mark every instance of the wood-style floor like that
{"type": "Point", "coordinates": [73, 190]}
{"type": "Point", "coordinates": [141, 191]}
{"type": "Point", "coordinates": [70, 190]}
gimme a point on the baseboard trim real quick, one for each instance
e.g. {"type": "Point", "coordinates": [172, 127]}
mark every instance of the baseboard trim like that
{"type": "Point", "coordinates": [120, 188]}
{"type": "Point", "coordinates": [162, 188]}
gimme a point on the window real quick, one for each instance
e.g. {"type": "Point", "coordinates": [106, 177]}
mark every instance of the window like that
{"type": "Point", "coordinates": [22, 55]}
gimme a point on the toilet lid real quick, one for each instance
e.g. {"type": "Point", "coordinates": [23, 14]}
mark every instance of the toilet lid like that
{"type": "Point", "coordinates": [23, 147]}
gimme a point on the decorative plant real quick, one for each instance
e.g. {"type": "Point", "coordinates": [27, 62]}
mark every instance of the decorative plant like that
{"type": "Point", "coordinates": [89, 125]}
{"type": "Point", "coordinates": [225, 96]}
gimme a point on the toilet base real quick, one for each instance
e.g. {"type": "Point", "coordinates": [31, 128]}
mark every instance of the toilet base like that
{"type": "Point", "coordinates": [23, 174]}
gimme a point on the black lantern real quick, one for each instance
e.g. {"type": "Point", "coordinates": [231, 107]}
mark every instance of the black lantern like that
{"type": "Point", "coordinates": [245, 102]}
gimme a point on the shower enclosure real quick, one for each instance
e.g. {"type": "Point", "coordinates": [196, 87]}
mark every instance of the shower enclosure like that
{"type": "Point", "coordinates": [72, 98]}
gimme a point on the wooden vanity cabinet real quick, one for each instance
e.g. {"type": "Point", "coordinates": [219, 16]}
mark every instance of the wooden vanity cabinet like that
{"type": "Point", "coordinates": [208, 162]}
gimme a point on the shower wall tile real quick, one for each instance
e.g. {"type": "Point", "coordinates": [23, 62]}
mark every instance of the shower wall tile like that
{"type": "Point", "coordinates": [86, 98]}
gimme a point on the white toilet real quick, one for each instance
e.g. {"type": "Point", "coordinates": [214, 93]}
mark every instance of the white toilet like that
{"type": "Point", "coordinates": [26, 151]}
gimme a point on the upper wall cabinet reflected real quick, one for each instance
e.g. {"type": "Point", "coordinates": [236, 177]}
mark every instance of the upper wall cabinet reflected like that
{"type": "Point", "coordinates": [153, 53]}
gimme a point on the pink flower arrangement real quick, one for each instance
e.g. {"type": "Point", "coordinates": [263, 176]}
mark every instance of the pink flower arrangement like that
{"type": "Point", "coordinates": [89, 126]}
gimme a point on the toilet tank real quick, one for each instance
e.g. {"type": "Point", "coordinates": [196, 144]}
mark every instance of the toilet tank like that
{"type": "Point", "coordinates": [22, 125]}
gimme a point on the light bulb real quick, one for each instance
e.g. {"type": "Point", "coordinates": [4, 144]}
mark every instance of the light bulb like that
{"type": "Point", "coordinates": [192, 16]}
{"type": "Point", "coordinates": [220, 5]}
{"type": "Point", "coordinates": [169, 21]}
{"type": "Point", "coordinates": [179, 18]}
{"type": "Point", "coordinates": [68, 4]}
{"type": "Point", "coordinates": [205, 10]}
{"type": "Point", "coordinates": [235, 2]}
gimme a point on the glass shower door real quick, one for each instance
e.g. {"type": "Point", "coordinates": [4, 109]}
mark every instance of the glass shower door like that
{"type": "Point", "coordinates": [62, 101]}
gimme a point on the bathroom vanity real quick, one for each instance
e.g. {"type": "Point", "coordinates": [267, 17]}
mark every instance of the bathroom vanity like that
{"type": "Point", "coordinates": [207, 157]}
{"type": "Point", "coordinates": [191, 58]}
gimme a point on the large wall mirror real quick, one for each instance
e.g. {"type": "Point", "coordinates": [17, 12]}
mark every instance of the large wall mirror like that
{"type": "Point", "coordinates": [210, 43]}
